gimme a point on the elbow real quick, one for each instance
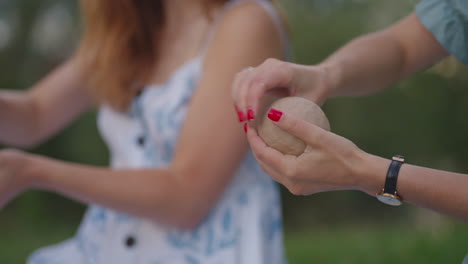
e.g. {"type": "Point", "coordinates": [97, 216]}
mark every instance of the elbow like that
{"type": "Point", "coordinates": [191, 200]}
{"type": "Point", "coordinates": [184, 210]}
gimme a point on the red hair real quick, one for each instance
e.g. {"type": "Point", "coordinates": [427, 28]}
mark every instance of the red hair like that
{"type": "Point", "coordinates": [119, 45]}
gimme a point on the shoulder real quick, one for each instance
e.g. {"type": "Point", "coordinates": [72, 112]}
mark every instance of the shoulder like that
{"type": "Point", "coordinates": [249, 9]}
{"type": "Point", "coordinates": [247, 29]}
{"type": "Point", "coordinates": [250, 19]}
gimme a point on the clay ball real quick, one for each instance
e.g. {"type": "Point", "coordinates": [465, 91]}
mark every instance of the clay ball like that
{"type": "Point", "coordinates": [281, 140]}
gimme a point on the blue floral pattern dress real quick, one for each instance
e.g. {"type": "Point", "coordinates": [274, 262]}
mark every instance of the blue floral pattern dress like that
{"type": "Point", "coordinates": [244, 227]}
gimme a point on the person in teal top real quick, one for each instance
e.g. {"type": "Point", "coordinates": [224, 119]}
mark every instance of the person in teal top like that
{"type": "Point", "coordinates": [447, 20]}
{"type": "Point", "coordinates": [367, 64]}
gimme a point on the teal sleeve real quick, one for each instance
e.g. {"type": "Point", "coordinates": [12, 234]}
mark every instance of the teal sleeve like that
{"type": "Point", "coordinates": [447, 20]}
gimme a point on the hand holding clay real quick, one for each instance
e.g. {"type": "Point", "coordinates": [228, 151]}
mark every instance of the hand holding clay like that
{"type": "Point", "coordinates": [283, 141]}
{"type": "Point", "coordinates": [331, 163]}
{"type": "Point", "coordinates": [278, 78]}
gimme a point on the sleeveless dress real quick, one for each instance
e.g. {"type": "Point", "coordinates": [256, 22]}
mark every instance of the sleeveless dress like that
{"type": "Point", "coordinates": [244, 227]}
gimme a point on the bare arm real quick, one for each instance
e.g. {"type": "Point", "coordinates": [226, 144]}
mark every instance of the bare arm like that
{"type": "Point", "coordinates": [210, 148]}
{"type": "Point", "coordinates": [367, 64]}
{"type": "Point", "coordinates": [29, 117]}
{"type": "Point", "coordinates": [442, 191]}
{"type": "Point", "coordinates": [373, 62]}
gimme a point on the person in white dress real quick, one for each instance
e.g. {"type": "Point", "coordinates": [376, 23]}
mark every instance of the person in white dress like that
{"type": "Point", "coordinates": [182, 186]}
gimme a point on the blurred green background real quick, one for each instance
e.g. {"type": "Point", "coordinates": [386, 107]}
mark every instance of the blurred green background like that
{"type": "Point", "coordinates": [422, 118]}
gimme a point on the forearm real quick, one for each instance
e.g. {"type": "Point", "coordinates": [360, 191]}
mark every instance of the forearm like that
{"type": "Point", "coordinates": [30, 117]}
{"type": "Point", "coordinates": [375, 61]}
{"type": "Point", "coordinates": [442, 191]}
{"type": "Point", "coordinates": [17, 119]}
{"type": "Point", "coordinates": [367, 64]}
{"type": "Point", "coordinates": [155, 194]}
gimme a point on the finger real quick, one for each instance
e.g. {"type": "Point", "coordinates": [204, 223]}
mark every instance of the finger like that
{"type": "Point", "coordinates": [269, 156]}
{"type": "Point", "coordinates": [270, 171]}
{"type": "Point", "coordinates": [244, 90]}
{"type": "Point", "coordinates": [237, 88]}
{"type": "Point", "coordinates": [270, 75]}
{"type": "Point", "coordinates": [277, 176]}
{"type": "Point", "coordinates": [311, 134]}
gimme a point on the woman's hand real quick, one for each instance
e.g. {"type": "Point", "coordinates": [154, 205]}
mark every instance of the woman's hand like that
{"type": "Point", "coordinates": [13, 179]}
{"type": "Point", "coordinates": [278, 77]}
{"type": "Point", "coordinates": [330, 162]}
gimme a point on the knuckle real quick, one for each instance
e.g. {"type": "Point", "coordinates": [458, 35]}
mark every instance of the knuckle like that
{"type": "Point", "coordinates": [290, 172]}
{"type": "Point", "coordinates": [318, 138]}
{"type": "Point", "coordinates": [260, 156]}
{"type": "Point", "coordinates": [271, 61]}
{"type": "Point", "coordinates": [295, 189]}
{"type": "Point", "coordinates": [290, 189]}
{"type": "Point", "coordinates": [238, 77]}
{"type": "Point", "coordinates": [245, 89]}
{"type": "Point", "coordinates": [279, 68]}
{"type": "Point", "coordinates": [285, 71]}
{"type": "Point", "coordinates": [256, 84]}
{"type": "Point", "coordinates": [292, 124]}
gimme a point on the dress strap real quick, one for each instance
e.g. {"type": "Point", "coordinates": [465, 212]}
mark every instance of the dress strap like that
{"type": "Point", "coordinates": [280, 25]}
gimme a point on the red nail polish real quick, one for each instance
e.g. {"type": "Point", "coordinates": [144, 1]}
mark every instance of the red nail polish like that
{"type": "Point", "coordinates": [250, 114]}
{"type": "Point", "coordinates": [241, 116]}
{"type": "Point", "coordinates": [275, 115]}
{"type": "Point", "coordinates": [246, 127]}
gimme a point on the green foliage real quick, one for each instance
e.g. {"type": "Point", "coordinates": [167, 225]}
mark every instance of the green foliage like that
{"type": "Point", "coordinates": [386, 244]}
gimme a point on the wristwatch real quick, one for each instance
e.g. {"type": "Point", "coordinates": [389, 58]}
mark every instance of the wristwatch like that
{"type": "Point", "coordinates": [389, 194]}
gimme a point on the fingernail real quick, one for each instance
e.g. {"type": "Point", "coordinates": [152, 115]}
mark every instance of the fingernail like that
{"type": "Point", "coordinates": [241, 116]}
{"type": "Point", "coordinates": [275, 115]}
{"type": "Point", "coordinates": [246, 127]}
{"type": "Point", "coordinates": [250, 114]}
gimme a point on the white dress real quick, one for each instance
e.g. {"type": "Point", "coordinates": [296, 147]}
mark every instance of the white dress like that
{"type": "Point", "coordinates": [244, 227]}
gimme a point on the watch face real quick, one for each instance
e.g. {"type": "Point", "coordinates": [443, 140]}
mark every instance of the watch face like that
{"type": "Point", "coordinates": [389, 199]}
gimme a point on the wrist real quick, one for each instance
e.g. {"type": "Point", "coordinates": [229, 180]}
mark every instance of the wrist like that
{"type": "Point", "coordinates": [34, 172]}
{"type": "Point", "coordinates": [332, 75]}
{"type": "Point", "coordinates": [310, 82]}
{"type": "Point", "coordinates": [371, 173]}
{"type": "Point", "coordinates": [17, 164]}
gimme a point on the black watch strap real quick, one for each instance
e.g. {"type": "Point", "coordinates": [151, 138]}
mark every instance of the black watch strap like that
{"type": "Point", "coordinates": [392, 174]}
